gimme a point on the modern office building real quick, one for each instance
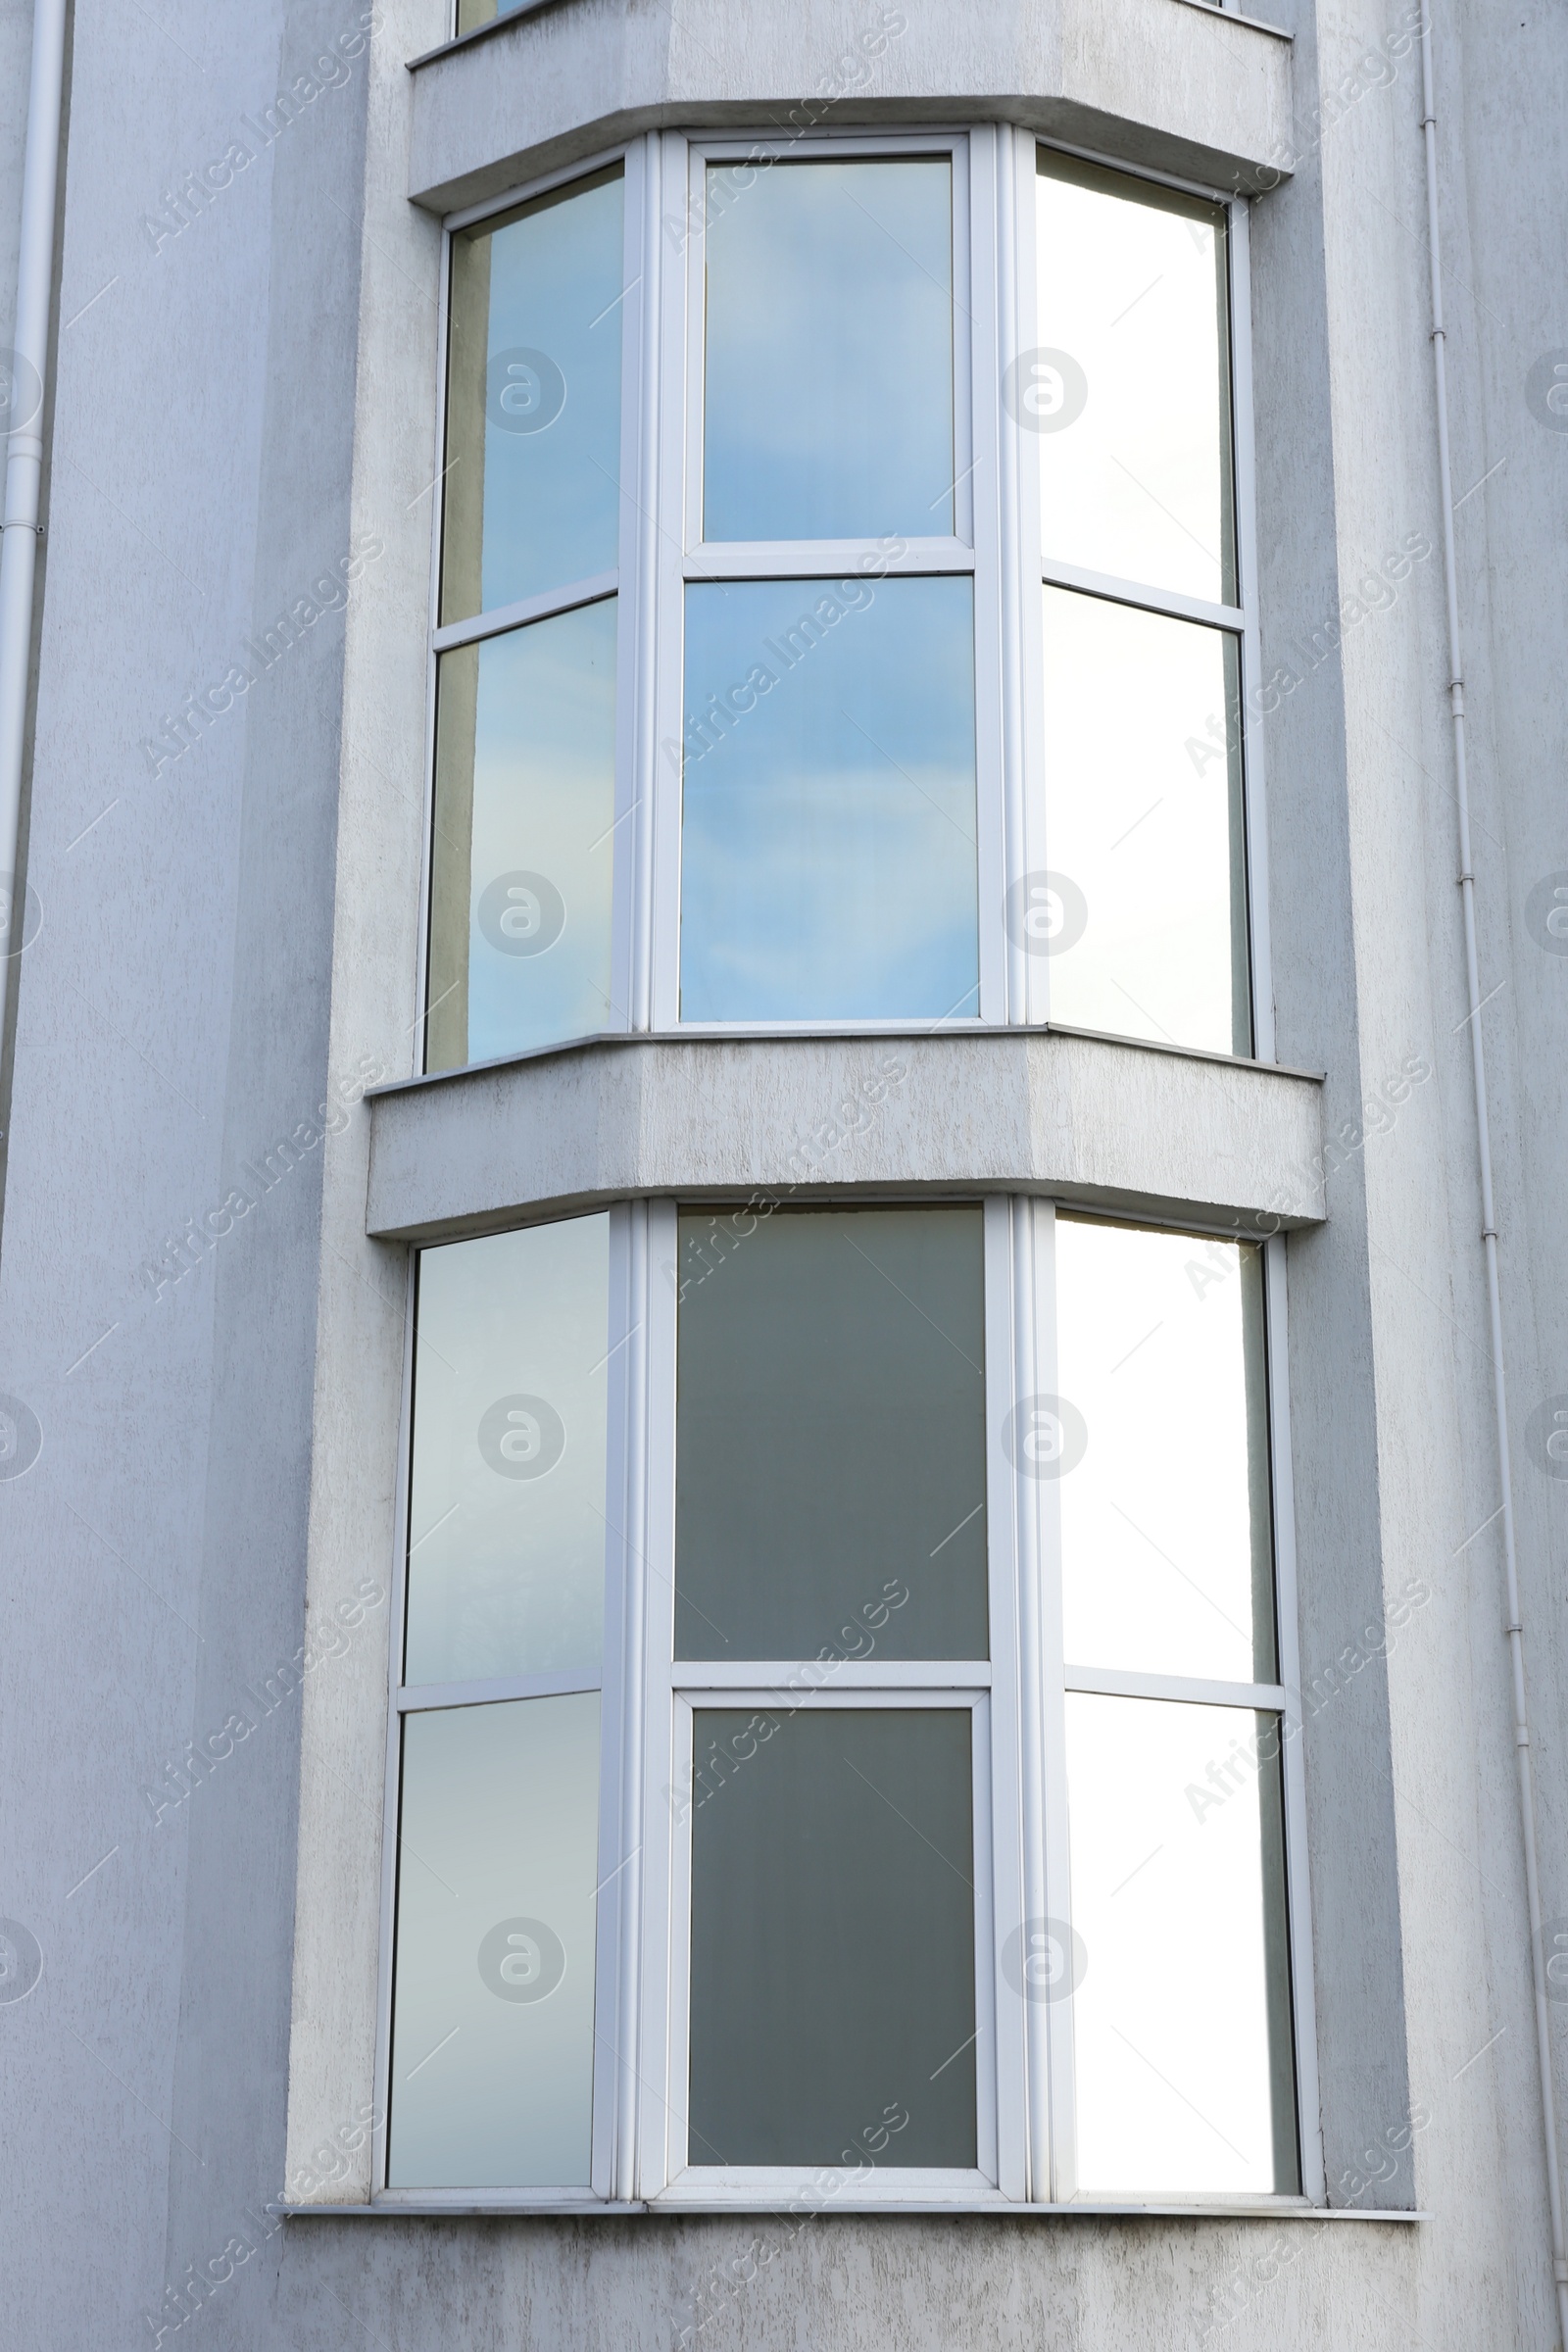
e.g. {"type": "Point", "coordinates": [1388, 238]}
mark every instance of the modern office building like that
{"type": "Point", "coordinates": [783, 1297]}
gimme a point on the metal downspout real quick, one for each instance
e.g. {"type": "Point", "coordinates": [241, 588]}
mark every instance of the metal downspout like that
{"type": "Point", "coordinates": [25, 401]}
{"type": "Point", "coordinates": [1488, 1218]}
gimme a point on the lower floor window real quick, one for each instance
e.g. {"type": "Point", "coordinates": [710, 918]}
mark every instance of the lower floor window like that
{"type": "Point", "coordinates": [840, 1731]}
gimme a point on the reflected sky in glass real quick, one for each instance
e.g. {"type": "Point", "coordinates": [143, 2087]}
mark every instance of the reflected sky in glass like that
{"type": "Point", "coordinates": [493, 2002]}
{"type": "Point", "coordinates": [1166, 1552]}
{"type": "Point", "coordinates": [541, 706]}
{"type": "Point", "coordinates": [828, 397]}
{"type": "Point", "coordinates": [1180, 2030]}
{"type": "Point", "coordinates": [1143, 816]}
{"type": "Point", "coordinates": [828, 840]}
{"type": "Point", "coordinates": [1133, 431]}
{"type": "Point", "coordinates": [533, 422]}
{"type": "Point", "coordinates": [506, 1503]}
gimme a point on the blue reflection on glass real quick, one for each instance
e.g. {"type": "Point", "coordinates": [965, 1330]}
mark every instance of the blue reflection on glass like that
{"type": "Point", "coordinates": [533, 440]}
{"type": "Point", "coordinates": [828, 841]}
{"type": "Point", "coordinates": [828, 406]}
{"type": "Point", "coordinates": [543, 846]}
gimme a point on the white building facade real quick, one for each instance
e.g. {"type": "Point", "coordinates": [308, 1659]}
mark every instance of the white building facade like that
{"type": "Point", "coordinates": [782, 1388]}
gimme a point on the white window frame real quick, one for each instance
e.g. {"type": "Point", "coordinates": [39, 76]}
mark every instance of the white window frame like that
{"type": "Point", "coordinates": [995, 543]}
{"type": "Point", "coordinates": [1024, 2052]}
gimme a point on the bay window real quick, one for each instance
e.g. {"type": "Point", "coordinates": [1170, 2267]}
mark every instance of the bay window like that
{"type": "Point", "coordinates": [839, 1712]}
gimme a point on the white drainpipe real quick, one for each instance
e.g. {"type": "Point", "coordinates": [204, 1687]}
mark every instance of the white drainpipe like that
{"type": "Point", "coordinates": [1513, 1628]}
{"type": "Point", "coordinates": [23, 394]}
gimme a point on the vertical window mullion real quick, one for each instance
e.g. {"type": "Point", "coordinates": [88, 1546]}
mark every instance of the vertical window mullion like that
{"type": "Point", "coordinates": [639, 461]}
{"type": "Point", "coordinates": [976, 462]}
{"type": "Point", "coordinates": [1297, 1886]}
{"type": "Point", "coordinates": [1014, 1716]}
{"type": "Point", "coordinates": [1246, 557]}
{"type": "Point", "coordinates": [660, 2084]}
{"type": "Point", "coordinates": [621, 1795]}
{"type": "Point", "coordinates": [1054, 2175]}
{"type": "Point", "coordinates": [397, 1581]}
{"type": "Point", "coordinates": [678, 375]}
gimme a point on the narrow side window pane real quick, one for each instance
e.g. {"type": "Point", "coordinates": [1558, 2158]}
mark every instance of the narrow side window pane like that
{"type": "Point", "coordinates": [828, 393]}
{"type": "Point", "coordinates": [828, 863]}
{"type": "Point", "coordinates": [830, 1468]}
{"type": "Point", "coordinates": [833, 1925]}
{"type": "Point", "coordinates": [493, 2006]}
{"type": "Point", "coordinates": [1130, 390]}
{"type": "Point", "coordinates": [506, 1502]}
{"type": "Point", "coordinates": [524, 851]}
{"type": "Point", "coordinates": [531, 491]}
{"type": "Point", "coordinates": [1181, 2021]}
{"type": "Point", "coordinates": [1166, 1535]}
{"type": "Point", "coordinates": [1145, 902]}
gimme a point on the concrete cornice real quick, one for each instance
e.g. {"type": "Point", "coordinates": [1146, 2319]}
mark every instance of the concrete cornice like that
{"type": "Point", "coordinates": [1097, 1121]}
{"type": "Point", "coordinates": [1195, 91]}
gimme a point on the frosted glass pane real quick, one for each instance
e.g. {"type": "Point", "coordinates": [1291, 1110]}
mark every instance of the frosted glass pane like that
{"type": "Point", "coordinates": [830, 1466]}
{"type": "Point", "coordinates": [531, 495]}
{"type": "Point", "coordinates": [1181, 2022]}
{"type": "Point", "coordinates": [833, 1940]}
{"type": "Point", "coordinates": [1166, 1528]}
{"type": "Point", "coordinates": [493, 2003]}
{"type": "Point", "coordinates": [507, 1509]}
{"type": "Point", "coordinates": [828, 839]}
{"type": "Point", "coordinates": [524, 856]}
{"type": "Point", "coordinates": [1144, 827]}
{"type": "Point", "coordinates": [828, 410]}
{"type": "Point", "coordinates": [1129, 393]}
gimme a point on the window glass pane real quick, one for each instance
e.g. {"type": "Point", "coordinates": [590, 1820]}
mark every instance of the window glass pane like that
{"type": "Point", "coordinates": [828, 841]}
{"type": "Point", "coordinates": [1168, 1556]}
{"type": "Point", "coordinates": [523, 848]}
{"type": "Point", "coordinates": [1144, 908]}
{"type": "Point", "coordinates": [1130, 390]}
{"type": "Point", "coordinates": [506, 1503]}
{"type": "Point", "coordinates": [1181, 2021]}
{"type": "Point", "coordinates": [531, 497]}
{"type": "Point", "coordinates": [832, 1981]}
{"type": "Point", "coordinates": [493, 2014]}
{"type": "Point", "coordinates": [830, 1454]}
{"type": "Point", "coordinates": [473, 13]}
{"type": "Point", "coordinates": [828, 396]}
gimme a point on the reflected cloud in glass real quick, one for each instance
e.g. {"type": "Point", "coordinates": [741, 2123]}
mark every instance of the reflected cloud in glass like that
{"type": "Point", "coordinates": [531, 498]}
{"type": "Point", "coordinates": [828, 866]}
{"type": "Point", "coordinates": [523, 854]}
{"type": "Point", "coordinates": [828, 396]}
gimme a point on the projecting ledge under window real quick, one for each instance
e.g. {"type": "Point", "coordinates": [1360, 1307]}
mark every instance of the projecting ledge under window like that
{"type": "Point", "coordinates": [1107, 1123]}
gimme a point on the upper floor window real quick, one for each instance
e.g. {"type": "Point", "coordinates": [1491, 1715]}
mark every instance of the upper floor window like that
{"type": "Point", "coordinates": [843, 612]}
